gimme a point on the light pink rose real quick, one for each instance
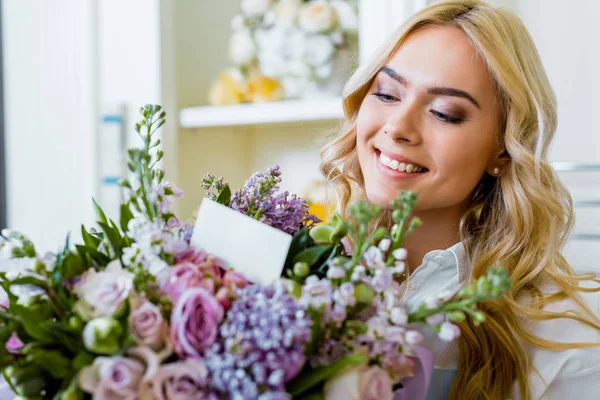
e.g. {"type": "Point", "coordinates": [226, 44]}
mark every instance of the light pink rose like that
{"type": "Point", "coordinates": [194, 322]}
{"type": "Point", "coordinates": [148, 326]}
{"type": "Point", "coordinates": [359, 382]}
{"type": "Point", "coordinates": [176, 280]}
{"type": "Point", "coordinates": [102, 294]}
{"type": "Point", "coordinates": [235, 279]}
{"type": "Point", "coordinates": [116, 378]}
{"type": "Point", "coordinates": [210, 266]}
{"type": "Point", "coordinates": [122, 378]}
{"type": "Point", "coordinates": [182, 380]}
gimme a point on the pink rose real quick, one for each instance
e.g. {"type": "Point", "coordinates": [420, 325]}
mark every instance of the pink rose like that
{"type": "Point", "coordinates": [176, 280]}
{"type": "Point", "coordinates": [359, 382]}
{"type": "Point", "coordinates": [116, 378]}
{"type": "Point", "coordinates": [119, 377]}
{"type": "Point", "coordinates": [182, 380]}
{"type": "Point", "coordinates": [195, 322]}
{"type": "Point", "coordinates": [104, 293]}
{"type": "Point", "coordinates": [233, 278]}
{"type": "Point", "coordinates": [148, 326]}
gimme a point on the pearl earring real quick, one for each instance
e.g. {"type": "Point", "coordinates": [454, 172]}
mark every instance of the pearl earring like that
{"type": "Point", "coordinates": [496, 171]}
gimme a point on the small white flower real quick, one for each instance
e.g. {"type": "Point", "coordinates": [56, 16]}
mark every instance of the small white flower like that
{"type": "Point", "coordinates": [336, 273]}
{"type": "Point", "coordinates": [317, 16]}
{"type": "Point", "coordinates": [449, 332]}
{"type": "Point", "coordinates": [399, 267]}
{"type": "Point", "coordinates": [432, 302]}
{"type": "Point", "coordinates": [413, 338]}
{"type": "Point", "coordinates": [435, 319]}
{"type": "Point", "coordinates": [255, 8]}
{"type": "Point", "coordinates": [346, 15]}
{"type": "Point", "coordinates": [385, 244]}
{"type": "Point", "coordinates": [398, 316]}
{"type": "Point", "coordinates": [286, 11]}
{"type": "Point", "coordinates": [237, 22]}
{"type": "Point", "coordinates": [242, 49]}
{"type": "Point", "coordinates": [359, 269]}
{"type": "Point", "coordinates": [400, 254]}
{"type": "Point", "coordinates": [319, 50]}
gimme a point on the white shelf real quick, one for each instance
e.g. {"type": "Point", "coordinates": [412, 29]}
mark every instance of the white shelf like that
{"type": "Point", "coordinates": [319, 109]}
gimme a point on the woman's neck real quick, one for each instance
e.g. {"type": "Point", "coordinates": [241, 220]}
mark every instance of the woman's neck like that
{"type": "Point", "coordinates": [439, 231]}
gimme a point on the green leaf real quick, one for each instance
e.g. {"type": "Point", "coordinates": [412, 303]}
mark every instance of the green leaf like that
{"type": "Point", "coordinates": [316, 331]}
{"type": "Point", "coordinates": [312, 254]}
{"type": "Point", "coordinates": [300, 242]}
{"type": "Point", "coordinates": [30, 280]}
{"type": "Point", "coordinates": [309, 378]}
{"type": "Point", "coordinates": [97, 256]}
{"type": "Point", "coordinates": [83, 359]}
{"type": "Point", "coordinates": [33, 322]}
{"type": "Point", "coordinates": [224, 196]}
{"type": "Point", "coordinates": [126, 216]}
{"type": "Point", "coordinates": [26, 380]}
{"type": "Point", "coordinates": [99, 213]}
{"type": "Point", "coordinates": [88, 239]}
{"type": "Point", "coordinates": [113, 235]}
{"type": "Point", "coordinates": [52, 361]}
{"type": "Point", "coordinates": [72, 265]}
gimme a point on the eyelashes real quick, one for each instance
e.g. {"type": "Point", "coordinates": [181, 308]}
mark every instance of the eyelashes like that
{"type": "Point", "coordinates": [387, 98]}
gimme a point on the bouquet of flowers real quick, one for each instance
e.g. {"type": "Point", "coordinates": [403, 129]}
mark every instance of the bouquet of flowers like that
{"type": "Point", "coordinates": [137, 312]}
{"type": "Point", "coordinates": [287, 48]}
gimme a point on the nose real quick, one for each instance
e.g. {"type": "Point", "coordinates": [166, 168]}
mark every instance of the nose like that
{"type": "Point", "coordinates": [403, 124]}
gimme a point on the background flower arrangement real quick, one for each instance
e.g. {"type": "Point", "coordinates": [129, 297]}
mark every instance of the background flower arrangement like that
{"type": "Point", "coordinates": [288, 49]}
{"type": "Point", "coordinates": [137, 312]}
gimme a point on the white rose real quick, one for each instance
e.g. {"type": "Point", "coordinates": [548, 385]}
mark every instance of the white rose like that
{"type": "Point", "coordinates": [346, 14]}
{"type": "Point", "coordinates": [255, 8]}
{"type": "Point", "coordinates": [359, 383]}
{"type": "Point", "coordinates": [103, 293]}
{"type": "Point", "coordinates": [242, 49]}
{"type": "Point", "coordinates": [286, 11]}
{"type": "Point", "coordinates": [317, 16]}
{"type": "Point", "coordinates": [319, 49]}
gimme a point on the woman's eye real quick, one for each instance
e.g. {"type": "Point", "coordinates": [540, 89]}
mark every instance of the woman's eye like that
{"type": "Point", "coordinates": [386, 98]}
{"type": "Point", "coordinates": [446, 118]}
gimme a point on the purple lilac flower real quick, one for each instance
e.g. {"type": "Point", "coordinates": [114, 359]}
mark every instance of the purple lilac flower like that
{"type": "Point", "coordinates": [260, 345]}
{"type": "Point", "coordinates": [259, 199]}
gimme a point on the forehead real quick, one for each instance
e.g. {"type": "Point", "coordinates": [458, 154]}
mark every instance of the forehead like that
{"type": "Point", "coordinates": [442, 56]}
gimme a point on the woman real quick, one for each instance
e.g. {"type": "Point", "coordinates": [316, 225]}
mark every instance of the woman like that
{"type": "Point", "coordinates": [457, 107]}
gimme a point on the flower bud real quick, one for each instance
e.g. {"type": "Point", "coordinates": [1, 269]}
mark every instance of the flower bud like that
{"type": "Point", "coordinates": [102, 335]}
{"type": "Point", "coordinates": [456, 316]}
{"type": "Point", "coordinates": [301, 269]}
{"type": "Point", "coordinates": [321, 234]}
{"type": "Point", "coordinates": [380, 233]}
{"type": "Point", "coordinates": [363, 294]}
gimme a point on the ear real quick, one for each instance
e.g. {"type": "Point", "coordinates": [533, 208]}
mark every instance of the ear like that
{"type": "Point", "coordinates": [498, 164]}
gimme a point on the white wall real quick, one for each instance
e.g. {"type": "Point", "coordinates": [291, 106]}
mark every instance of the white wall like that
{"type": "Point", "coordinates": [51, 102]}
{"type": "Point", "coordinates": [65, 63]}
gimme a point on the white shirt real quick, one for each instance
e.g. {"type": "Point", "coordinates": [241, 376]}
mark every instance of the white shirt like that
{"type": "Point", "coordinates": [569, 374]}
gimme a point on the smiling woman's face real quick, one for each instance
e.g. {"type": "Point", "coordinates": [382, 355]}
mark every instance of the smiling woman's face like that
{"type": "Point", "coordinates": [432, 109]}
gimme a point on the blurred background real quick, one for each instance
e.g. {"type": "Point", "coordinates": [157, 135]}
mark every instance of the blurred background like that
{"type": "Point", "coordinates": [246, 84]}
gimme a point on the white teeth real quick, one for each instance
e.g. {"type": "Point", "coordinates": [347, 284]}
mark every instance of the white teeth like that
{"type": "Point", "coordinates": [385, 160]}
{"type": "Point", "coordinates": [400, 166]}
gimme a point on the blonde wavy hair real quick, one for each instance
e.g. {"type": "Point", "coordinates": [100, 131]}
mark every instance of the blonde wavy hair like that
{"type": "Point", "coordinates": [520, 221]}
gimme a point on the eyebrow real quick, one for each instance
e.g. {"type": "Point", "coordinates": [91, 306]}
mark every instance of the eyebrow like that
{"type": "Point", "coordinates": [436, 90]}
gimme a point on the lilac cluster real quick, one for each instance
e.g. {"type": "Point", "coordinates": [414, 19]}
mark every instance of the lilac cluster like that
{"type": "Point", "coordinates": [260, 345]}
{"type": "Point", "coordinates": [259, 199]}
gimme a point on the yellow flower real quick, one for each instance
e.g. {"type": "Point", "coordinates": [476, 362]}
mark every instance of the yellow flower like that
{"type": "Point", "coordinates": [263, 89]}
{"type": "Point", "coordinates": [228, 89]}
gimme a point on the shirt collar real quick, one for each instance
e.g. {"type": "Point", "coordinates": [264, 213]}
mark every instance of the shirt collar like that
{"type": "Point", "coordinates": [454, 257]}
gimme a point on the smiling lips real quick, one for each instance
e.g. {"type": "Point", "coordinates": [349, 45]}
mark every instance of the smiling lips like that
{"type": "Point", "coordinates": [399, 165]}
